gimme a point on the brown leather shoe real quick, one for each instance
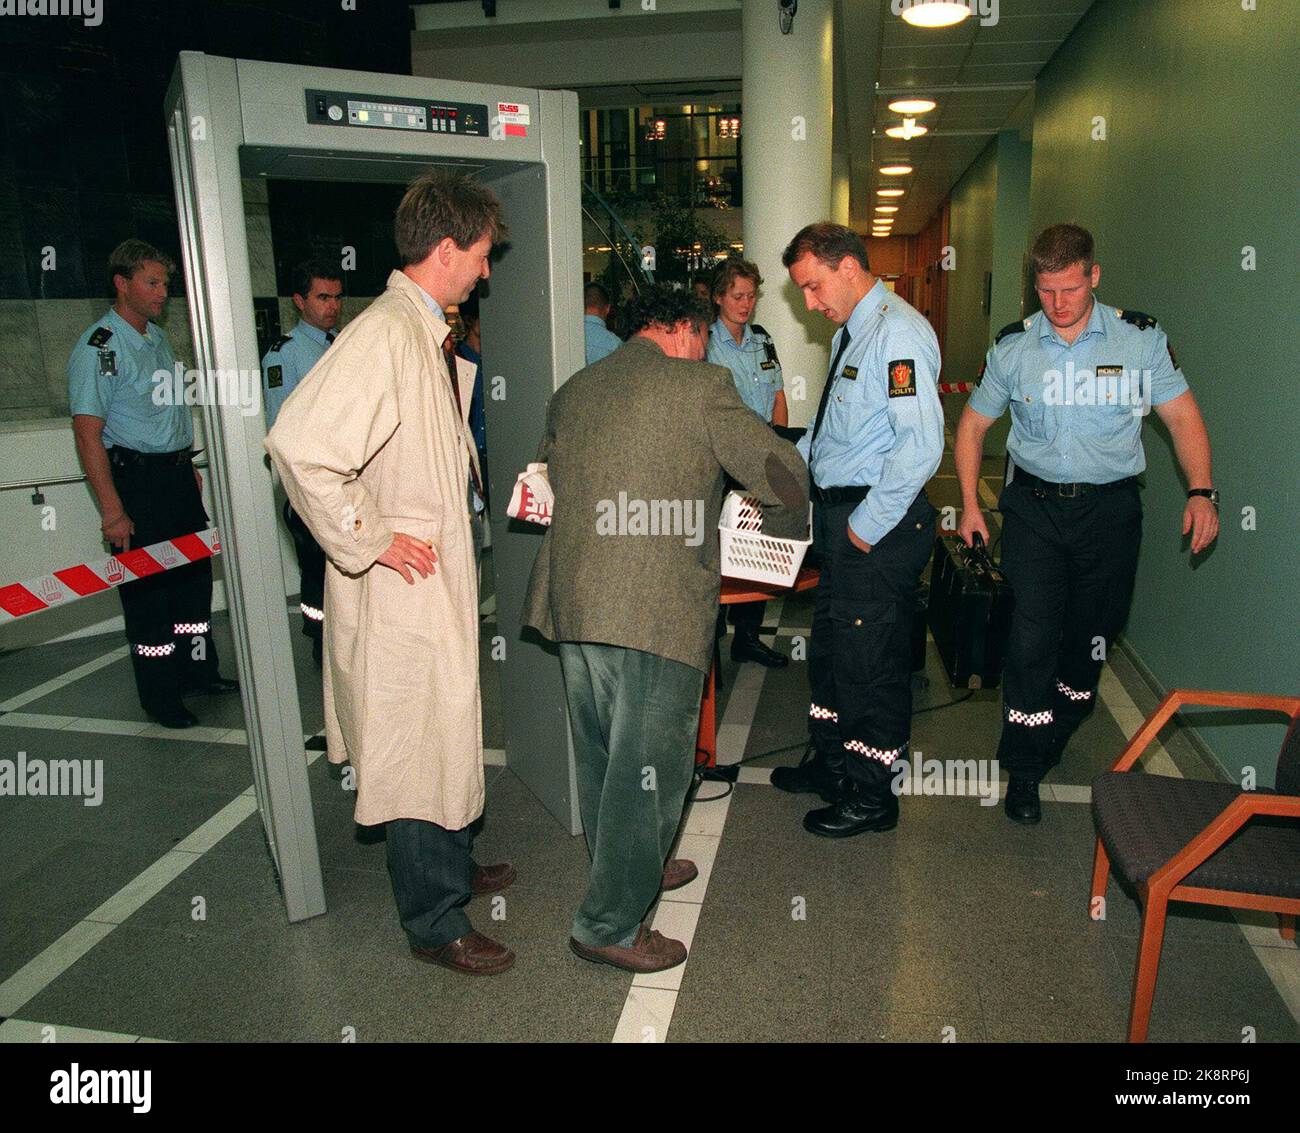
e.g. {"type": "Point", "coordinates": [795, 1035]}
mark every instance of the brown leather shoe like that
{"type": "Point", "coordinates": [474, 954]}
{"type": "Point", "coordinates": [492, 878]}
{"type": "Point", "coordinates": [651, 951]}
{"type": "Point", "coordinates": [678, 872]}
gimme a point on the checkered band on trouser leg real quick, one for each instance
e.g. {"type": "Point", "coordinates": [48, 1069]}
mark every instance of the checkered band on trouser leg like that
{"type": "Point", "coordinates": [157, 679]}
{"type": "Point", "coordinates": [1027, 743]}
{"type": "Point", "coordinates": [191, 618]}
{"type": "Point", "coordinates": [1073, 706]}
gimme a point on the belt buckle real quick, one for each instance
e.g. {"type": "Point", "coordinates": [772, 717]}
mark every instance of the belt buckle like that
{"type": "Point", "coordinates": [1071, 494]}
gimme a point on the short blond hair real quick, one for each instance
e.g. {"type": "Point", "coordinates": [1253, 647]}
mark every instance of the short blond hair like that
{"type": "Point", "coordinates": [130, 255]}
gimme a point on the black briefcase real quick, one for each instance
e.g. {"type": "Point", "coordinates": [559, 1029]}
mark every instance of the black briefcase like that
{"type": "Point", "coordinates": [970, 612]}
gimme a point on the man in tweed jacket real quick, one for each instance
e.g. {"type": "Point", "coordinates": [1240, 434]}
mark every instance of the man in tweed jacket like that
{"type": "Point", "coordinates": [626, 581]}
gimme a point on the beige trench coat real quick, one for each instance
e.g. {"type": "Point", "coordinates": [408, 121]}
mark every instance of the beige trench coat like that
{"type": "Point", "coordinates": [369, 444]}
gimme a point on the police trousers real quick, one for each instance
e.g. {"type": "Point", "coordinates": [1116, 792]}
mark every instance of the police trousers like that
{"type": "Point", "coordinates": [1071, 562]}
{"type": "Point", "coordinates": [311, 573]}
{"type": "Point", "coordinates": [860, 658]}
{"type": "Point", "coordinates": [168, 615]}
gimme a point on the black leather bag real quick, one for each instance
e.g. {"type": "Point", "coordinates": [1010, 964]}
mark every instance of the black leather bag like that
{"type": "Point", "coordinates": [970, 612]}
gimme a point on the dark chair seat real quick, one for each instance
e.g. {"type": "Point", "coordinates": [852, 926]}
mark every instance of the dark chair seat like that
{"type": "Point", "coordinates": [1143, 820]}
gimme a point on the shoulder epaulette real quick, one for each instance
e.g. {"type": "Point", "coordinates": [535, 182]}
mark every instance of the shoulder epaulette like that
{"type": "Point", "coordinates": [100, 336]}
{"type": "Point", "coordinates": [278, 344]}
{"type": "Point", "coordinates": [1017, 327]}
{"type": "Point", "coordinates": [758, 329]}
{"type": "Point", "coordinates": [1137, 318]}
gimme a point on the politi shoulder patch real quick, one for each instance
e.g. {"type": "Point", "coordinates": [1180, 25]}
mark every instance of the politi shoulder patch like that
{"type": "Point", "coordinates": [274, 377]}
{"type": "Point", "coordinates": [1018, 327]}
{"type": "Point", "coordinates": [902, 378]}
{"type": "Point", "coordinates": [1137, 318]}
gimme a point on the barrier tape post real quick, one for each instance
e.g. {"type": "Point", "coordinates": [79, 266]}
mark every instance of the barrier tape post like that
{"type": "Point", "coordinates": [62, 587]}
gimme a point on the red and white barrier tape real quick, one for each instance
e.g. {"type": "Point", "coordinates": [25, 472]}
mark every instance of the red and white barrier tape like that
{"type": "Point", "coordinates": [61, 587]}
{"type": "Point", "coordinates": [957, 387]}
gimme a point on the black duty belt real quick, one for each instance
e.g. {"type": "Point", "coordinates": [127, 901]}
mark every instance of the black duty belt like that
{"type": "Point", "coordinates": [129, 458]}
{"type": "Point", "coordinates": [1066, 491]}
{"type": "Point", "coordinates": [852, 494]}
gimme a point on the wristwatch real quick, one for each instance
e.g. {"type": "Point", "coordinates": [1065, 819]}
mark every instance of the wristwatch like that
{"type": "Point", "coordinates": [1211, 494]}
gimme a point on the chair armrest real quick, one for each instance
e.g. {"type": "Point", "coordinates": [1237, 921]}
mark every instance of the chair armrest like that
{"type": "Point", "coordinates": [1134, 749]}
{"type": "Point", "coordinates": [1235, 815]}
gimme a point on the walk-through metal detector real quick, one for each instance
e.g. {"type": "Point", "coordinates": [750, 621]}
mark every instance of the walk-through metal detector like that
{"type": "Point", "coordinates": [234, 118]}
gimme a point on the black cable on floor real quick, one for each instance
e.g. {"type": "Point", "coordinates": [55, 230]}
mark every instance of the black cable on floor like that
{"type": "Point", "coordinates": [945, 704]}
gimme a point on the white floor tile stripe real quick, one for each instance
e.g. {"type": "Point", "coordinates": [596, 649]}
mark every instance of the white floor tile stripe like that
{"type": "Point", "coordinates": [29, 1031]}
{"type": "Point", "coordinates": [62, 681]}
{"type": "Point", "coordinates": [39, 972]}
{"type": "Point", "coordinates": [34, 976]}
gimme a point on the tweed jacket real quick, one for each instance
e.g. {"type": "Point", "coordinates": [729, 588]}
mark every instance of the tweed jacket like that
{"type": "Point", "coordinates": [637, 445]}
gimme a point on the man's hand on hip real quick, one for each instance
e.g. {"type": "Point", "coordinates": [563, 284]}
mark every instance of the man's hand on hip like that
{"type": "Point", "coordinates": [865, 548]}
{"type": "Point", "coordinates": [1201, 520]}
{"type": "Point", "coordinates": [406, 552]}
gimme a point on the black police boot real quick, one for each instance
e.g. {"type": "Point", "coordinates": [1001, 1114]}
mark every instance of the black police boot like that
{"type": "Point", "coordinates": [159, 691]}
{"type": "Point", "coordinates": [201, 677]}
{"type": "Point", "coordinates": [749, 647]}
{"type": "Point", "coordinates": [817, 774]}
{"type": "Point", "coordinates": [1022, 801]}
{"type": "Point", "coordinates": [862, 808]}
{"type": "Point", "coordinates": [209, 684]}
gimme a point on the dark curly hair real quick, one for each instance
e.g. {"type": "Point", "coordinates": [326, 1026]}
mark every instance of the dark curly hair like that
{"type": "Point", "coordinates": [665, 306]}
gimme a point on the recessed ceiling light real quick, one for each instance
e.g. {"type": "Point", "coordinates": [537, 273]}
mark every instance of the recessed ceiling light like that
{"type": "Point", "coordinates": [933, 13]}
{"type": "Point", "coordinates": [889, 192]}
{"type": "Point", "coordinates": [912, 105]}
{"type": "Point", "coordinates": [895, 170]}
{"type": "Point", "coordinates": [886, 208]}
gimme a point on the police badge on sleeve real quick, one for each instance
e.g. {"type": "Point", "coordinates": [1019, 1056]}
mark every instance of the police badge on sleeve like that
{"type": "Point", "coordinates": [902, 378]}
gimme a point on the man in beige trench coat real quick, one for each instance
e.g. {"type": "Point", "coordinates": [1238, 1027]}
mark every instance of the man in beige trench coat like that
{"type": "Point", "coordinates": [376, 457]}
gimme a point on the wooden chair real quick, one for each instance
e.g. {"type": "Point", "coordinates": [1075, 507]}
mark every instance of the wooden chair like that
{"type": "Point", "coordinates": [1187, 840]}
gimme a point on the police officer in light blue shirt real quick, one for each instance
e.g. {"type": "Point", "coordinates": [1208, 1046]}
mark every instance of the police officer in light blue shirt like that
{"type": "Point", "coordinates": [747, 350]}
{"type": "Point", "coordinates": [601, 341]}
{"type": "Point", "coordinates": [876, 439]}
{"type": "Point", "coordinates": [134, 436]}
{"type": "Point", "coordinates": [1079, 377]}
{"type": "Point", "coordinates": [318, 295]}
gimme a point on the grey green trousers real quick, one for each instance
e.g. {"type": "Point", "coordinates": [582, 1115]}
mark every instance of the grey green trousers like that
{"type": "Point", "coordinates": [634, 717]}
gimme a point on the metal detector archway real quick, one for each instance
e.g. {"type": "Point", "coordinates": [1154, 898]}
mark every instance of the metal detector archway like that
{"type": "Point", "coordinates": [234, 118]}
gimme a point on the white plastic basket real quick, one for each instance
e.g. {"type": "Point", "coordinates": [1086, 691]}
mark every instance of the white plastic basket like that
{"type": "Point", "coordinates": [751, 556]}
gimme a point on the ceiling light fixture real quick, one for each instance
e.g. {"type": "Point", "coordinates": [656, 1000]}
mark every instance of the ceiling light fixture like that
{"type": "Point", "coordinates": [907, 131]}
{"type": "Point", "coordinates": [932, 13]}
{"type": "Point", "coordinates": [889, 192]}
{"type": "Point", "coordinates": [895, 170]}
{"type": "Point", "coordinates": [912, 105]}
